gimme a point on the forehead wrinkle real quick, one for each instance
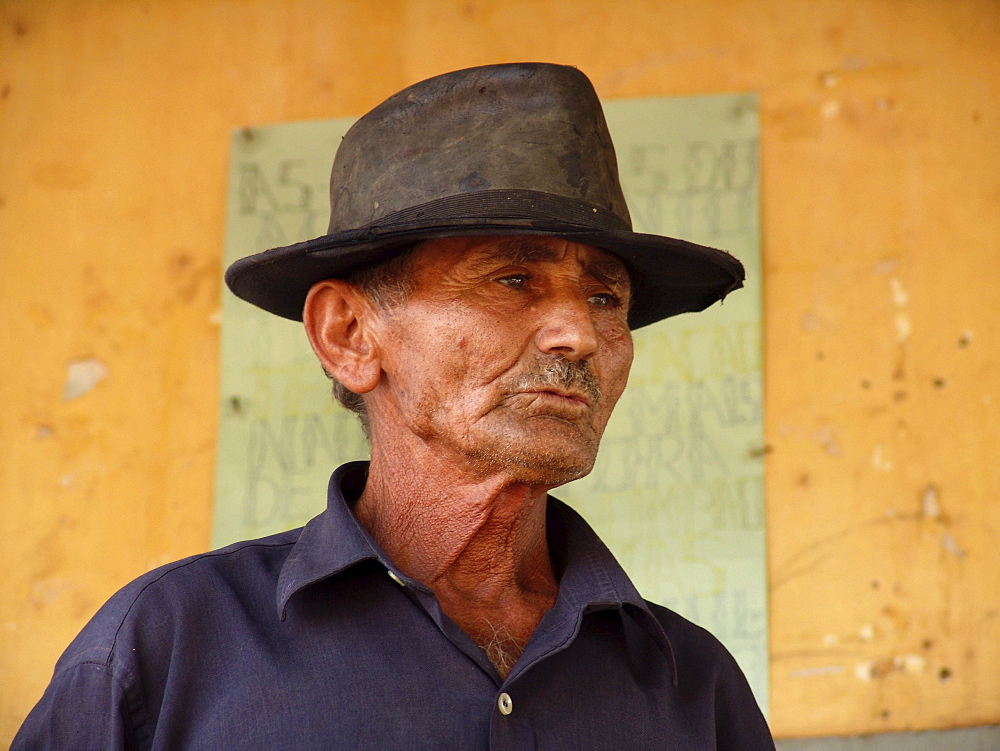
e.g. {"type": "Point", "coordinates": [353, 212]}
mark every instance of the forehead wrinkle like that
{"type": "Point", "coordinates": [522, 250]}
{"type": "Point", "coordinates": [605, 268]}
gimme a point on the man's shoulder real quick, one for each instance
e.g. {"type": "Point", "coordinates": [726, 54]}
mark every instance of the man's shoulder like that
{"type": "Point", "coordinates": [695, 647]}
{"type": "Point", "coordinates": [162, 601]}
{"type": "Point", "coordinates": [234, 566]}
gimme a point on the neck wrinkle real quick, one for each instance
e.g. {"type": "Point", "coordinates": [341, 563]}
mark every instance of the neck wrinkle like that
{"type": "Point", "coordinates": [471, 536]}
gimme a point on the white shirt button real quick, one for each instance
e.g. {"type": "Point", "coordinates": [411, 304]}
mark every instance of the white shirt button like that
{"type": "Point", "coordinates": [392, 575]}
{"type": "Point", "coordinates": [505, 703]}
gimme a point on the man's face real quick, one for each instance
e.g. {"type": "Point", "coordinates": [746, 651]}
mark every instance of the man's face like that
{"type": "Point", "coordinates": [508, 356]}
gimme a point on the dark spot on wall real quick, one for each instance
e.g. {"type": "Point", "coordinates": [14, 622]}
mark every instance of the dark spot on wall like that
{"type": "Point", "coordinates": [865, 383]}
{"type": "Point", "coordinates": [19, 27]}
{"type": "Point", "coordinates": [964, 341]}
{"type": "Point", "coordinates": [975, 116]}
{"type": "Point", "coordinates": [5, 91]}
{"type": "Point", "coordinates": [886, 714]}
{"type": "Point", "coordinates": [247, 134]}
{"type": "Point", "coordinates": [927, 643]}
{"type": "Point", "coordinates": [944, 674]}
{"type": "Point", "coordinates": [875, 584]}
{"type": "Point", "coordinates": [899, 396]}
{"type": "Point", "coordinates": [803, 480]}
{"type": "Point", "coordinates": [939, 382]}
{"type": "Point", "coordinates": [760, 451]}
{"type": "Point", "coordinates": [820, 355]}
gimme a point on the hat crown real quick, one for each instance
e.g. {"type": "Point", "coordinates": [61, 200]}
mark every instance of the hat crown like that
{"type": "Point", "coordinates": [513, 149]}
{"type": "Point", "coordinates": [498, 132]}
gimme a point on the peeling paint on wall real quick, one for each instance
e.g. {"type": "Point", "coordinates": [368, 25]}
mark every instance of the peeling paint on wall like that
{"type": "Point", "coordinates": [930, 502]}
{"type": "Point", "coordinates": [910, 664]}
{"type": "Point", "coordinates": [82, 376]}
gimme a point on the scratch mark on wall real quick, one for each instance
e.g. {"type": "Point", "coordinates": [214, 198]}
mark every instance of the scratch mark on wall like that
{"type": "Point", "coordinates": [816, 553]}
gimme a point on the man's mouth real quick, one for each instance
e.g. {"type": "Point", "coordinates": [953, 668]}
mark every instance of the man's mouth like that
{"type": "Point", "coordinates": [561, 381]}
{"type": "Point", "coordinates": [553, 402]}
{"type": "Point", "coordinates": [573, 396]}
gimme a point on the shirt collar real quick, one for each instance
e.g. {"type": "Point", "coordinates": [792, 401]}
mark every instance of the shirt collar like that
{"type": "Point", "coordinates": [332, 541]}
{"type": "Point", "coordinates": [590, 578]}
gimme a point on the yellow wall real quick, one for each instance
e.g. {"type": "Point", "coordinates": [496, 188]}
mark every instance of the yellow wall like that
{"type": "Point", "coordinates": [881, 242]}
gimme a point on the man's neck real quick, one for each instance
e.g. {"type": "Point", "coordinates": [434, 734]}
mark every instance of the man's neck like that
{"type": "Point", "coordinates": [480, 545]}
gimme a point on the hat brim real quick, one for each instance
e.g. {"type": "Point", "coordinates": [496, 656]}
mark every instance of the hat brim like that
{"type": "Point", "coordinates": [669, 276]}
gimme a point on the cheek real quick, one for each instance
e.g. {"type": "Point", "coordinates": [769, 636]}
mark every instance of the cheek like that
{"type": "Point", "coordinates": [460, 355]}
{"type": "Point", "coordinates": [487, 345]}
{"type": "Point", "coordinates": [618, 364]}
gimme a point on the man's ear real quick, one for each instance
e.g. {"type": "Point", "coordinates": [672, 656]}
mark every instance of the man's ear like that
{"type": "Point", "coordinates": [337, 318]}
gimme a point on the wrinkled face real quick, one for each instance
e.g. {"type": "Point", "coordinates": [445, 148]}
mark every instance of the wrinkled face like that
{"type": "Point", "coordinates": [509, 355]}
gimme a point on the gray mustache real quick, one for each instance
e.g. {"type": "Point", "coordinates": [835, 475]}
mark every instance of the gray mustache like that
{"type": "Point", "coordinates": [560, 373]}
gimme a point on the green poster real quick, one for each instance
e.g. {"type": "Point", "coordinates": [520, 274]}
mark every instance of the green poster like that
{"type": "Point", "coordinates": [677, 492]}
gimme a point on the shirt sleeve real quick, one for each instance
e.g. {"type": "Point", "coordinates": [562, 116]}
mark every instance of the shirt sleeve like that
{"type": "Point", "coordinates": [82, 708]}
{"type": "Point", "coordinates": [739, 723]}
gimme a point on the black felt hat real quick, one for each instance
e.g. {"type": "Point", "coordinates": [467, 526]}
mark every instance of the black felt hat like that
{"type": "Point", "coordinates": [514, 149]}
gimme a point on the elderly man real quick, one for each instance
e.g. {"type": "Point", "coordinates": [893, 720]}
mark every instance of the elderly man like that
{"type": "Point", "coordinates": [473, 300]}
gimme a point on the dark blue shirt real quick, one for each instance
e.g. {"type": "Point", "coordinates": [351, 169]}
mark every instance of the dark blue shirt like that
{"type": "Point", "coordinates": [312, 639]}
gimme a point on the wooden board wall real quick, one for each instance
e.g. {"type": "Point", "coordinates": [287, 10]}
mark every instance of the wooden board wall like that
{"type": "Point", "coordinates": [881, 186]}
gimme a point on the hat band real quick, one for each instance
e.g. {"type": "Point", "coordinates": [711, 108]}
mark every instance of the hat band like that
{"type": "Point", "coordinates": [518, 208]}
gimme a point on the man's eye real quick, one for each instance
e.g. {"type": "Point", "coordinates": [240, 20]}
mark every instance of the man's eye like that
{"type": "Point", "coordinates": [517, 281]}
{"type": "Point", "coordinates": [605, 300]}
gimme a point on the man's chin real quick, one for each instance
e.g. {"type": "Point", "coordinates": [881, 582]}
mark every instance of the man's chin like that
{"type": "Point", "coordinates": [546, 460]}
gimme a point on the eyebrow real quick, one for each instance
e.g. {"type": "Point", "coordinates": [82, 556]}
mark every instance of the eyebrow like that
{"type": "Point", "coordinates": [608, 270]}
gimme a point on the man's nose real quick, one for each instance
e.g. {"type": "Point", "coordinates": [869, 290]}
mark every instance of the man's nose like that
{"type": "Point", "coordinates": [567, 328]}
